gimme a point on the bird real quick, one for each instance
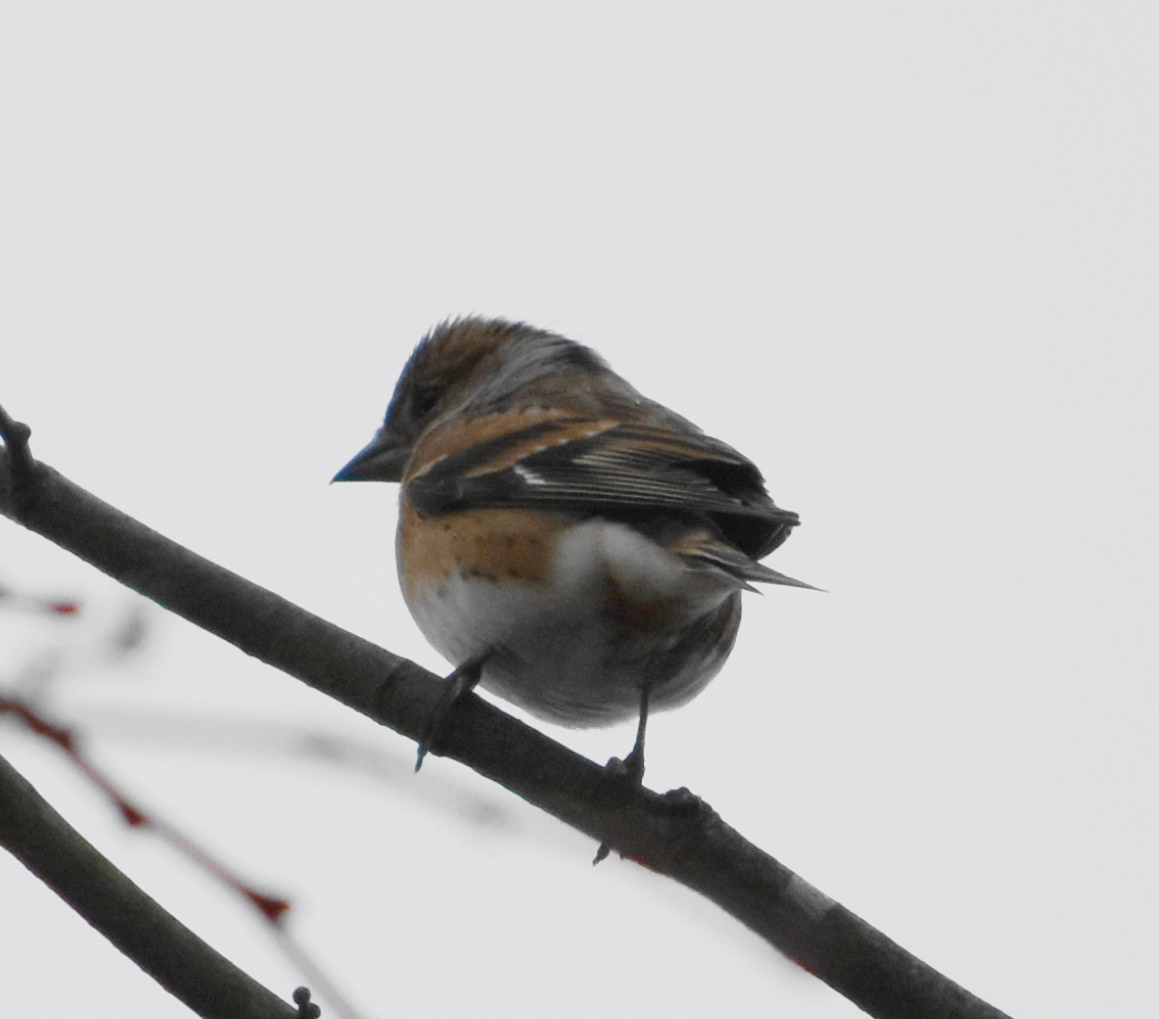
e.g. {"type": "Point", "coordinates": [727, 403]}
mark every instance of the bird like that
{"type": "Point", "coordinates": [565, 542]}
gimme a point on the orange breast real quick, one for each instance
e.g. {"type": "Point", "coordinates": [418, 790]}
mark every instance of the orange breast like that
{"type": "Point", "coordinates": [489, 544]}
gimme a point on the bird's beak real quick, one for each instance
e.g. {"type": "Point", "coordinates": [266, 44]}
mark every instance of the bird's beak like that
{"type": "Point", "coordinates": [383, 459]}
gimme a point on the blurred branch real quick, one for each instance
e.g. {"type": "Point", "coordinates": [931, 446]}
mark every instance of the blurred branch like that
{"type": "Point", "coordinates": [173, 955]}
{"type": "Point", "coordinates": [673, 834]}
{"type": "Point", "coordinates": [273, 908]}
{"type": "Point", "coordinates": [39, 606]}
{"type": "Point", "coordinates": [182, 730]}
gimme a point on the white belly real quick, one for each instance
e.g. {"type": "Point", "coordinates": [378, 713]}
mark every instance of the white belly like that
{"type": "Point", "coordinates": [567, 650]}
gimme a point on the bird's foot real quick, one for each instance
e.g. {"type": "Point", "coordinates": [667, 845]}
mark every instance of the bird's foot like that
{"type": "Point", "coordinates": [459, 683]}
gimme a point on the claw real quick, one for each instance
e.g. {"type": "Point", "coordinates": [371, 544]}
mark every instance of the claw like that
{"type": "Point", "coordinates": [459, 683]}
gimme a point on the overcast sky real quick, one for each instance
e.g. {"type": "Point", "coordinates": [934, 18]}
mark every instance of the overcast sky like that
{"type": "Point", "coordinates": [903, 255]}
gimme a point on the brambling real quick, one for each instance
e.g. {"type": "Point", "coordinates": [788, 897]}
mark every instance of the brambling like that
{"type": "Point", "coordinates": [574, 547]}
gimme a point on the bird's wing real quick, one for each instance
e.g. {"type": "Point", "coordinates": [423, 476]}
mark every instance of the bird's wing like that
{"type": "Point", "coordinates": [608, 467]}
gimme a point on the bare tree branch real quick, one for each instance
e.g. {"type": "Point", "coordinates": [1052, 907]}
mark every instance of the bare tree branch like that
{"type": "Point", "coordinates": [161, 945]}
{"type": "Point", "coordinates": [674, 834]}
{"type": "Point", "coordinates": [272, 909]}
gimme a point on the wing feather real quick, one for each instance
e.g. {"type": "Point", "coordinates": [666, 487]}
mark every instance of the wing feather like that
{"type": "Point", "coordinates": [611, 469]}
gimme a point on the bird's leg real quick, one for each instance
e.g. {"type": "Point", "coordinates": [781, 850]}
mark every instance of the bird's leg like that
{"type": "Point", "coordinates": [634, 763]}
{"type": "Point", "coordinates": [632, 766]}
{"type": "Point", "coordinates": [458, 684]}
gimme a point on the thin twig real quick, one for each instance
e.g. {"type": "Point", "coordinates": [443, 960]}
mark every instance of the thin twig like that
{"type": "Point", "coordinates": [16, 435]}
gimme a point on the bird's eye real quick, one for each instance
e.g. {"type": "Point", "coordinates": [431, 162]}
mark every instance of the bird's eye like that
{"type": "Point", "coordinates": [424, 400]}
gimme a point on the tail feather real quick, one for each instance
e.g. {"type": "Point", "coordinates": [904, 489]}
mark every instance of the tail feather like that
{"type": "Point", "coordinates": [710, 550]}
